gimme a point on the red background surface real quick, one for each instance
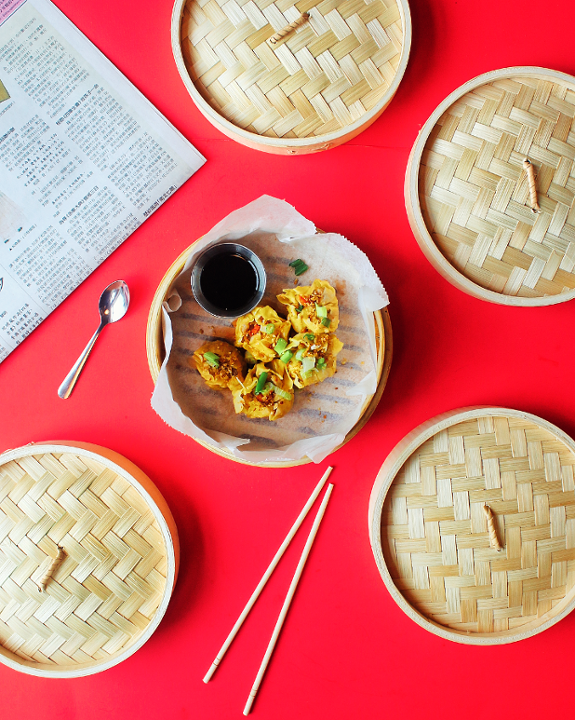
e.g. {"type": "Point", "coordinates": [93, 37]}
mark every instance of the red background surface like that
{"type": "Point", "coordinates": [346, 650]}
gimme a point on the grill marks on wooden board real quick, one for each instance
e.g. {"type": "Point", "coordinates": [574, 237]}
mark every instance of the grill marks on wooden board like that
{"type": "Point", "coordinates": [318, 409]}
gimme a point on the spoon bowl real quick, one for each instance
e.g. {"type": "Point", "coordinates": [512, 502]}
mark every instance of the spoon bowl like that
{"type": "Point", "coordinates": [113, 305]}
{"type": "Point", "coordinates": [114, 302]}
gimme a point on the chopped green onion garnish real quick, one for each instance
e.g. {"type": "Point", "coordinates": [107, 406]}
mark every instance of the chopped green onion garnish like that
{"type": "Point", "coordinates": [320, 311]}
{"type": "Point", "coordinates": [261, 382]}
{"type": "Point", "coordinates": [282, 393]}
{"type": "Point", "coordinates": [320, 363]}
{"type": "Point", "coordinates": [286, 357]}
{"type": "Point", "coordinates": [269, 328]}
{"type": "Point", "coordinates": [281, 345]}
{"type": "Point", "coordinates": [268, 387]}
{"type": "Point", "coordinates": [307, 364]}
{"type": "Point", "coordinates": [299, 266]}
{"type": "Point", "coordinates": [326, 321]}
{"type": "Point", "coordinates": [299, 308]}
{"type": "Point", "coordinates": [299, 354]}
{"type": "Point", "coordinates": [212, 359]}
{"type": "Point", "coordinates": [309, 336]}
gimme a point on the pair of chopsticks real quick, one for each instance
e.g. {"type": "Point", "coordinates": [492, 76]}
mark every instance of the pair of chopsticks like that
{"type": "Point", "coordinates": [290, 593]}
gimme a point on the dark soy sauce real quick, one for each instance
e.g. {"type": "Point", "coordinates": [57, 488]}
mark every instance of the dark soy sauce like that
{"type": "Point", "coordinates": [229, 281]}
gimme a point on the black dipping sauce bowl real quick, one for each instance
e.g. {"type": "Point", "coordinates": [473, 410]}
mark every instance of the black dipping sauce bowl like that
{"type": "Point", "coordinates": [228, 280]}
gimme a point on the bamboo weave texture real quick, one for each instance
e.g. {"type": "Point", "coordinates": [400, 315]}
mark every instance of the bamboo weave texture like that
{"type": "Point", "coordinates": [111, 581]}
{"type": "Point", "coordinates": [435, 536]}
{"type": "Point", "coordinates": [320, 78]}
{"type": "Point", "coordinates": [474, 191]}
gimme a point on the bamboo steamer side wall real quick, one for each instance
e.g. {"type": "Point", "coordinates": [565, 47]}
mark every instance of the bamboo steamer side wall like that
{"type": "Point", "coordinates": [156, 354]}
{"type": "Point", "coordinates": [467, 194]}
{"type": "Point", "coordinates": [430, 537]}
{"type": "Point", "coordinates": [118, 552]}
{"type": "Point", "coordinates": [317, 88]}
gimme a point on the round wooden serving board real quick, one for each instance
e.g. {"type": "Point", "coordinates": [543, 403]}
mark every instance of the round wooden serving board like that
{"type": "Point", "coordinates": [430, 537]}
{"type": "Point", "coordinates": [467, 192]}
{"type": "Point", "coordinates": [316, 88]}
{"type": "Point", "coordinates": [156, 354]}
{"type": "Point", "coordinates": [119, 564]}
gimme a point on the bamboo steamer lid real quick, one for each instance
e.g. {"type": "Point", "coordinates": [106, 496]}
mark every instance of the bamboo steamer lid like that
{"type": "Point", "coordinates": [156, 354]}
{"type": "Point", "coordinates": [430, 536]}
{"type": "Point", "coordinates": [315, 88]}
{"type": "Point", "coordinates": [467, 192]}
{"type": "Point", "coordinates": [114, 576]}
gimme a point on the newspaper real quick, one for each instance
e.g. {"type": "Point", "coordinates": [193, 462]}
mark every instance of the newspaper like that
{"type": "Point", "coordinates": [84, 160]}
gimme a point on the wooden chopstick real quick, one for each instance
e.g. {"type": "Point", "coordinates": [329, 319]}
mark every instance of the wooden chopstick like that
{"type": "Point", "coordinates": [288, 599]}
{"type": "Point", "coordinates": [277, 557]}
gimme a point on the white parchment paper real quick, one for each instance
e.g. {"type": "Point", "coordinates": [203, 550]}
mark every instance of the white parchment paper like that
{"type": "Point", "coordinates": [322, 414]}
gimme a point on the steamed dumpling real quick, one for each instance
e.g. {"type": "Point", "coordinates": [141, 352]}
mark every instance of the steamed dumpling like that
{"type": "Point", "coordinates": [219, 363]}
{"type": "Point", "coordinates": [274, 397]}
{"type": "Point", "coordinates": [258, 332]}
{"type": "Point", "coordinates": [313, 358]}
{"type": "Point", "coordinates": [313, 308]}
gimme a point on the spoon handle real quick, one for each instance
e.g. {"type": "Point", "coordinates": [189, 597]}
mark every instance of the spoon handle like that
{"type": "Point", "coordinates": [65, 389]}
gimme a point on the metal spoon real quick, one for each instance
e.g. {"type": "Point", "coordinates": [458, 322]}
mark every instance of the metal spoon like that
{"type": "Point", "coordinates": [114, 302]}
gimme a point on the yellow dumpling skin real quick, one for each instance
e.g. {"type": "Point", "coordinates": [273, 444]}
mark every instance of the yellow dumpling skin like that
{"type": "Point", "coordinates": [219, 363]}
{"type": "Point", "coordinates": [267, 392]}
{"type": "Point", "coordinates": [258, 332]}
{"type": "Point", "coordinates": [314, 308]}
{"type": "Point", "coordinates": [314, 358]}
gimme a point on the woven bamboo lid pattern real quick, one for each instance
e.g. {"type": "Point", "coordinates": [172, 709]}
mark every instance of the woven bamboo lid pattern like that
{"type": "Point", "coordinates": [117, 566]}
{"type": "Point", "coordinates": [316, 87]}
{"type": "Point", "coordinates": [467, 191]}
{"type": "Point", "coordinates": [430, 536]}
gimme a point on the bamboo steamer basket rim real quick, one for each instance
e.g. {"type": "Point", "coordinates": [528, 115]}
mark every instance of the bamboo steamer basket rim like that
{"type": "Point", "coordinates": [156, 354]}
{"type": "Point", "coordinates": [163, 522]}
{"type": "Point", "coordinates": [289, 145]}
{"type": "Point", "coordinates": [387, 475]}
{"type": "Point", "coordinates": [413, 204]}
